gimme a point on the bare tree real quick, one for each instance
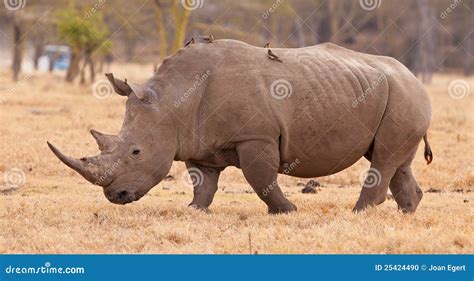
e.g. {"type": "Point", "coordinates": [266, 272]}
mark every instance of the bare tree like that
{"type": "Point", "coordinates": [426, 38]}
{"type": "Point", "coordinates": [180, 17]}
{"type": "Point", "coordinates": [469, 45]}
{"type": "Point", "coordinates": [17, 46]}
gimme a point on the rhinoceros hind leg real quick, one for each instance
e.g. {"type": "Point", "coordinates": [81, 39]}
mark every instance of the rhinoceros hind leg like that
{"type": "Point", "coordinates": [375, 186]}
{"type": "Point", "coordinates": [259, 162]}
{"type": "Point", "coordinates": [205, 184]}
{"type": "Point", "coordinates": [405, 190]}
{"type": "Point", "coordinates": [391, 158]}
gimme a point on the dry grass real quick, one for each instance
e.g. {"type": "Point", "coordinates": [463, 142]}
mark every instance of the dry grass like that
{"type": "Point", "coordinates": [56, 211]}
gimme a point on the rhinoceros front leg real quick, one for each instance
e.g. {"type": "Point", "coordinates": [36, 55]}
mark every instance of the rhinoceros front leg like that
{"type": "Point", "coordinates": [259, 162]}
{"type": "Point", "coordinates": [205, 184]}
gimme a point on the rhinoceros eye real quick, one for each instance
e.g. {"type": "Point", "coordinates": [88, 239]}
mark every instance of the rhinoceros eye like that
{"type": "Point", "coordinates": [136, 151]}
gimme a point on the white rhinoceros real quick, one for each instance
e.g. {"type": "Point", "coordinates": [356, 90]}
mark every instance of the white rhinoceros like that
{"type": "Point", "coordinates": [306, 112]}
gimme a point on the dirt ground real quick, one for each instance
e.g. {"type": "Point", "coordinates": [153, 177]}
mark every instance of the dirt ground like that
{"type": "Point", "coordinates": [47, 208]}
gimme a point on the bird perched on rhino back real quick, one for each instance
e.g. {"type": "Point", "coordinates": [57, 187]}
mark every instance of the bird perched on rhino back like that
{"type": "Point", "coordinates": [208, 39]}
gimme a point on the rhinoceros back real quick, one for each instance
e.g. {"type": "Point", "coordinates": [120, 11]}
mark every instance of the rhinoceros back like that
{"type": "Point", "coordinates": [323, 104]}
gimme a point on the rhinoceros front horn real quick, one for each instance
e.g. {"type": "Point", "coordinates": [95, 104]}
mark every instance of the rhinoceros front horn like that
{"type": "Point", "coordinates": [75, 164]}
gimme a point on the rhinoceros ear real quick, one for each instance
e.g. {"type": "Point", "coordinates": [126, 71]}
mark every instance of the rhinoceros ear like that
{"type": "Point", "coordinates": [120, 87]}
{"type": "Point", "coordinates": [142, 92]}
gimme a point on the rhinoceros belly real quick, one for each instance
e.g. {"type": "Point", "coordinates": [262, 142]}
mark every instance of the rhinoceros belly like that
{"type": "Point", "coordinates": [330, 119]}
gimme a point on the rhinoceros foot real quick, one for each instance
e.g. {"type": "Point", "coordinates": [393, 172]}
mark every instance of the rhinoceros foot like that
{"type": "Point", "coordinates": [282, 209]}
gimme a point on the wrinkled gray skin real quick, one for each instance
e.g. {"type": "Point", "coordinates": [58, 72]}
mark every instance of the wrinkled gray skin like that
{"type": "Point", "coordinates": [211, 105]}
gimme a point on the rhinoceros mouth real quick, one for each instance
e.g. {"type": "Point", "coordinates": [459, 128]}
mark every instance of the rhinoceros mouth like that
{"type": "Point", "coordinates": [121, 197]}
{"type": "Point", "coordinates": [124, 193]}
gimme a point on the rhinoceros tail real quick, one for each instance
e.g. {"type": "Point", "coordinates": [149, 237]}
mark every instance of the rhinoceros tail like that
{"type": "Point", "coordinates": [428, 152]}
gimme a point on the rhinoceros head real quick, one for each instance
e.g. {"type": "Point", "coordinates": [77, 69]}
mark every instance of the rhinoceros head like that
{"type": "Point", "coordinates": [140, 156]}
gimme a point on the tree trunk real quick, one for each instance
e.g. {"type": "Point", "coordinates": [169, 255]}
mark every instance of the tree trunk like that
{"type": "Point", "coordinates": [180, 23]}
{"type": "Point", "coordinates": [316, 38]}
{"type": "Point", "coordinates": [100, 67]}
{"type": "Point", "coordinates": [333, 21]}
{"type": "Point", "coordinates": [52, 60]}
{"type": "Point", "coordinates": [82, 80]}
{"type": "Point", "coordinates": [161, 30]}
{"type": "Point", "coordinates": [426, 47]}
{"type": "Point", "coordinates": [73, 69]}
{"type": "Point", "coordinates": [37, 54]}
{"type": "Point", "coordinates": [17, 49]}
{"type": "Point", "coordinates": [299, 25]}
{"type": "Point", "coordinates": [469, 46]}
{"type": "Point", "coordinates": [91, 69]}
{"type": "Point", "coordinates": [274, 28]}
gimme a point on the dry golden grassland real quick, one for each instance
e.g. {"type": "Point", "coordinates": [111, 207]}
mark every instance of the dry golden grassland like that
{"type": "Point", "coordinates": [57, 211]}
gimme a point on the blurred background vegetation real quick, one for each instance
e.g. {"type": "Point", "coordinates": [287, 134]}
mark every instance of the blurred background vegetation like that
{"type": "Point", "coordinates": [427, 36]}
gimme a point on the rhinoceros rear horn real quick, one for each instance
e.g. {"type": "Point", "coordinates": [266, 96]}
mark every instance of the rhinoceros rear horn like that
{"type": "Point", "coordinates": [142, 92]}
{"type": "Point", "coordinates": [75, 164]}
{"type": "Point", "coordinates": [120, 87]}
{"type": "Point", "coordinates": [104, 141]}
